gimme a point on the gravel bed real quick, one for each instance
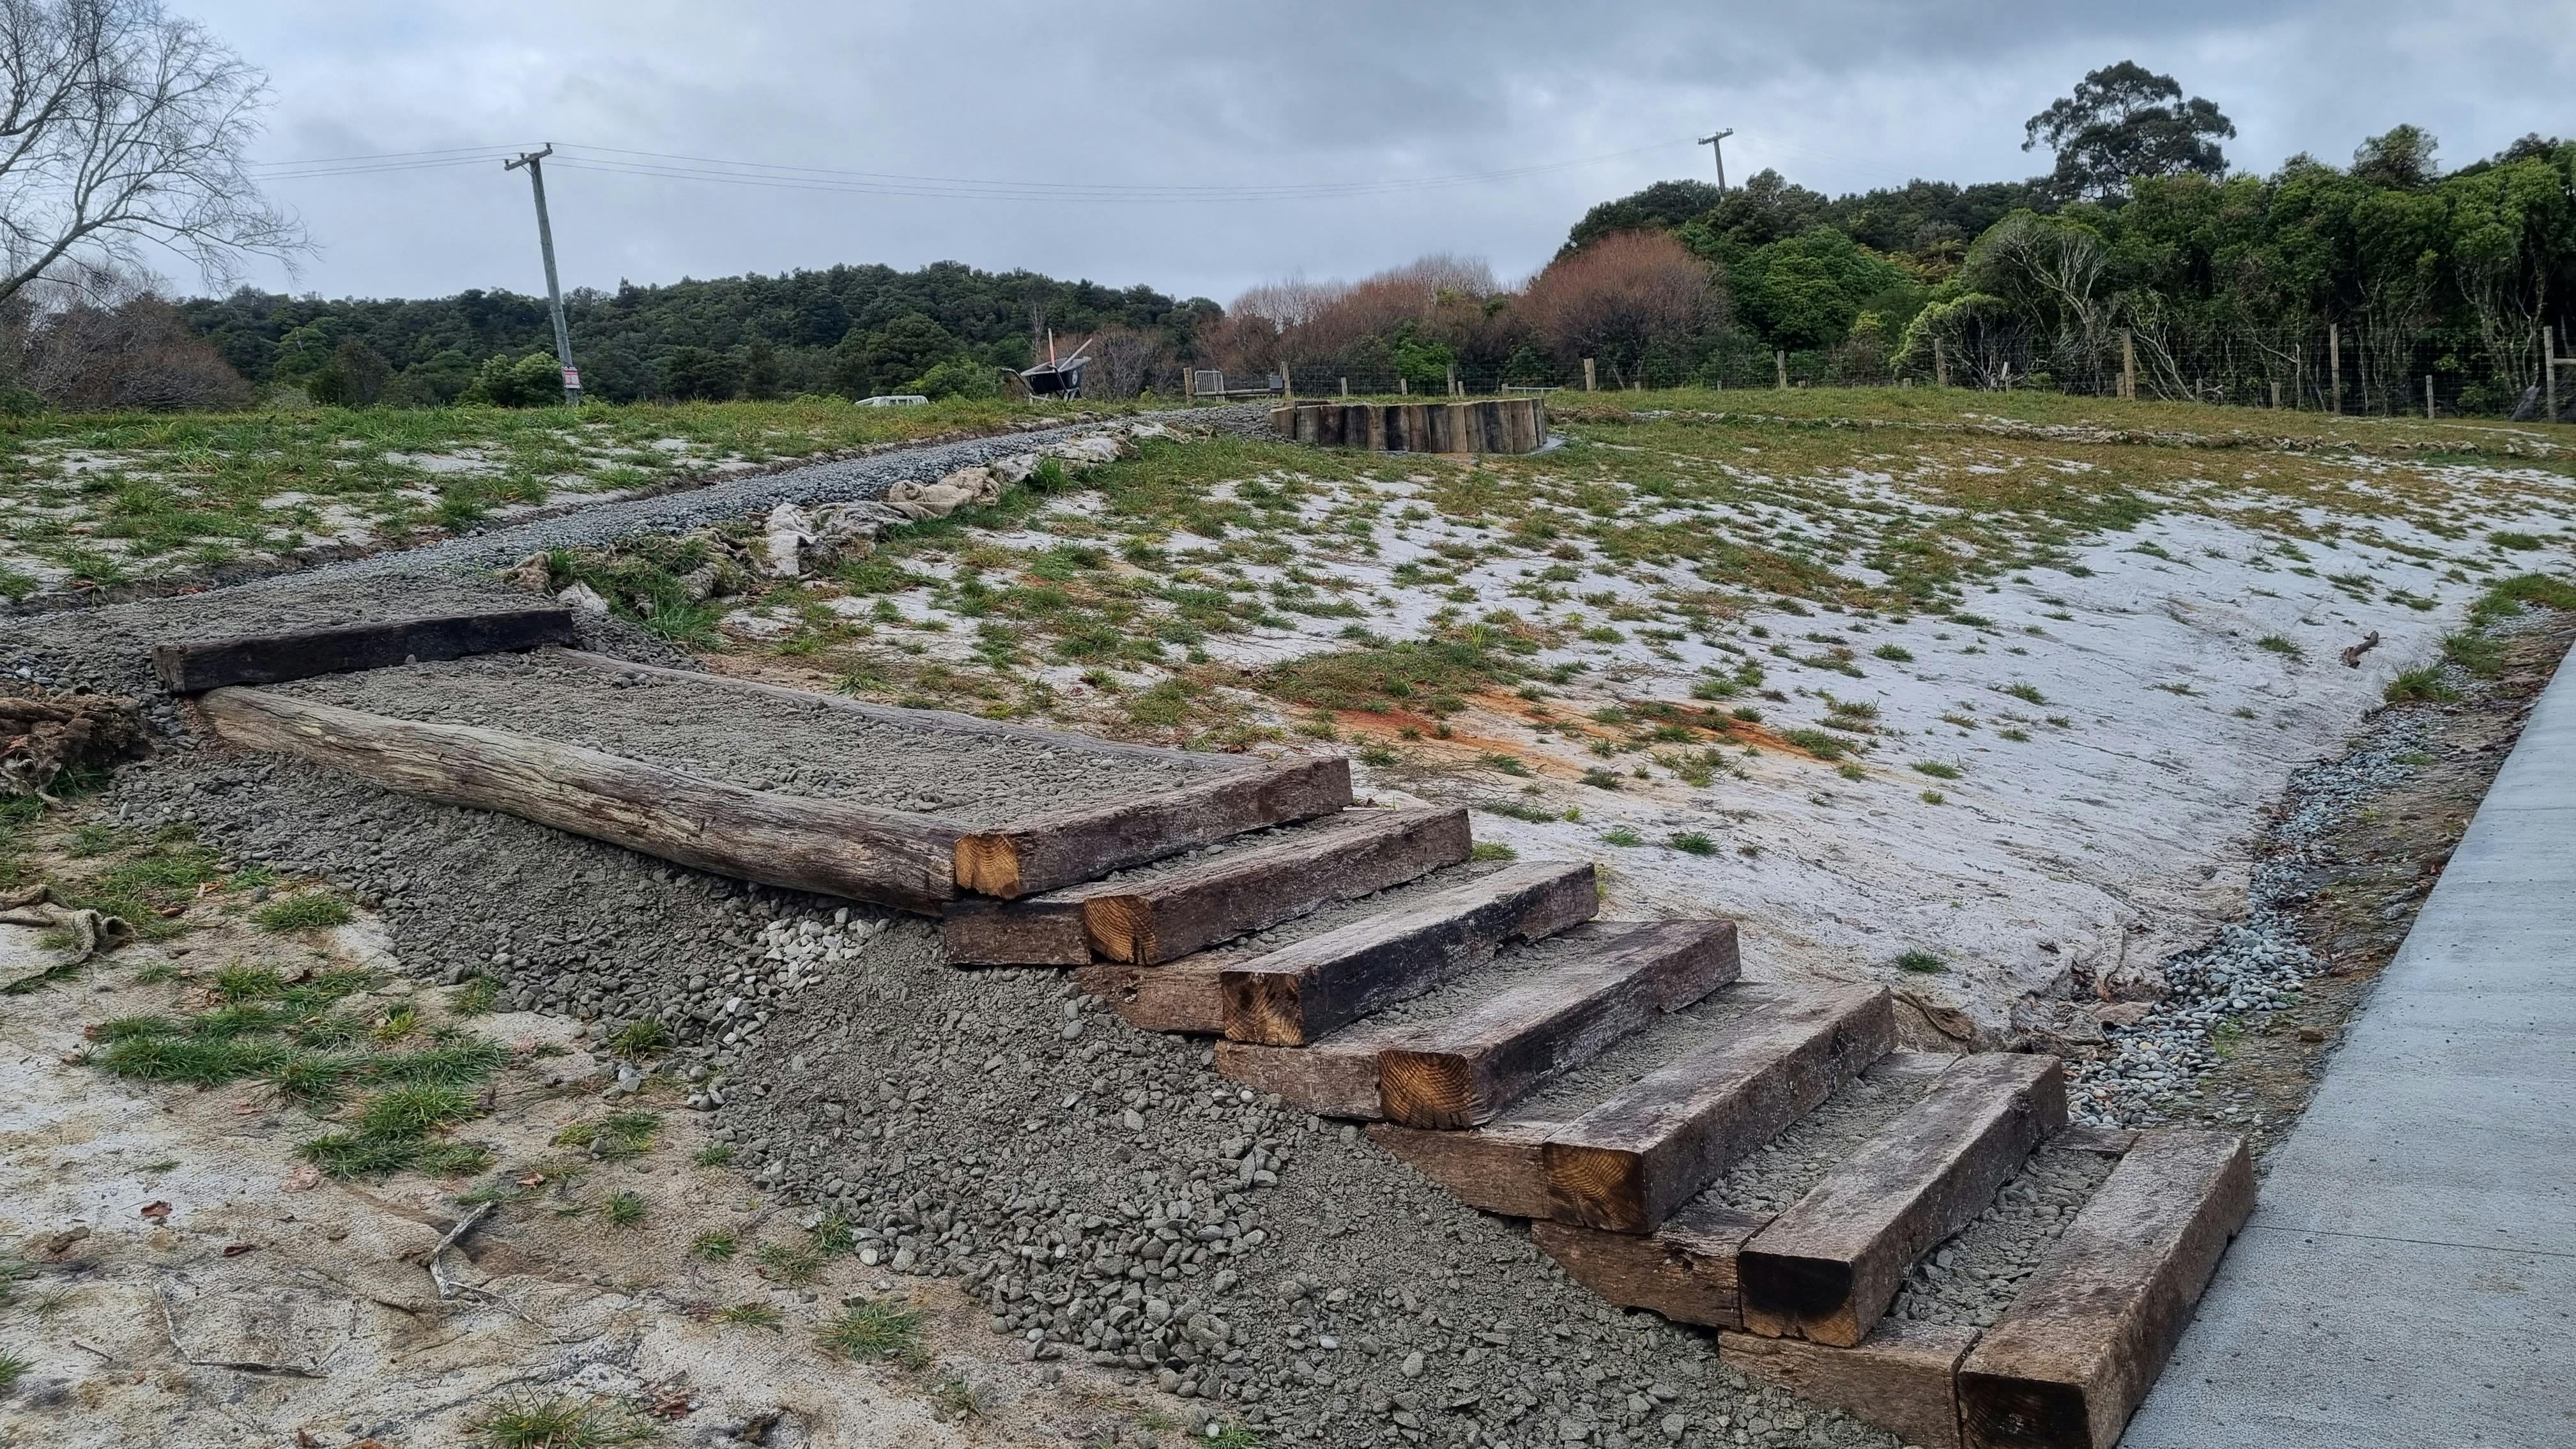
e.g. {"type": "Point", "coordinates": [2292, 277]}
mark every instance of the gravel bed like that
{"type": "Point", "coordinates": [748, 738]}
{"type": "Point", "coordinates": [1972, 1277]}
{"type": "Point", "coordinates": [1786, 1168]}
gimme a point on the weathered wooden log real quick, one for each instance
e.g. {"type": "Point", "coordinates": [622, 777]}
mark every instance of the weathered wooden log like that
{"type": "Point", "coordinates": [1684, 1270]}
{"type": "Point", "coordinates": [1903, 1377]}
{"type": "Point", "coordinates": [1459, 1072]}
{"type": "Point", "coordinates": [1301, 991]}
{"type": "Point", "coordinates": [1164, 914]}
{"type": "Point", "coordinates": [205, 664]}
{"type": "Point", "coordinates": [1630, 1162]}
{"type": "Point", "coordinates": [1826, 1269]}
{"type": "Point", "coordinates": [1050, 851]}
{"type": "Point", "coordinates": [1185, 995]}
{"type": "Point", "coordinates": [2078, 1350]}
{"type": "Point", "coordinates": [1484, 425]}
{"type": "Point", "coordinates": [832, 847]}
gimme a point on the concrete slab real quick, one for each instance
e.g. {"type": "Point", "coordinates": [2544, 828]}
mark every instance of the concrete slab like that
{"type": "Point", "coordinates": [2410, 1277]}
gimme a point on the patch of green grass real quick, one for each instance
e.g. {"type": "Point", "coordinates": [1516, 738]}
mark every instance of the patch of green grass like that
{"type": "Point", "coordinates": [454, 1063]}
{"type": "Point", "coordinates": [750, 1315]}
{"type": "Point", "coordinates": [2424, 685]}
{"type": "Point", "coordinates": [873, 1331]}
{"type": "Point", "coordinates": [1427, 675]}
{"type": "Point", "coordinates": [716, 1245]}
{"type": "Point", "coordinates": [475, 996]}
{"type": "Point", "coordinates": [1896, 653]}
{"type": "Point", "coordinates": [2027, 693]}
{"type": "Point", "coordinates": [1235, 1436]}
{"type": "Point", "coordinates": [414, 1111]}
{"type": "Point", "coordinates": [625, 1208]}
{"type": "Point", "coordinates": [618, 1136]}
{"type": "Point", "coordinates": [1934, 797]}
{"type": "Point", "coordinates": [315, 1079]}
{"type": "Point", "coordinates": [2505, 538]}
{"type": "Point", "coordinates": [13, 1367]}
{"type": "Point", "coordinates": [1937, 769]}
{"type": "Point", "coordinates": [1692, 842]}
{"type": "Point", "coordinates": [1921, 963]}
{"type": "Point", "coordinates": [1492, 850]}
{"type": "Point", "coordinates": [2280, 646]}
{"type": "Point", "coordinates": [2481, 655]}
{"type": "Point", "coordinates": [833, 1236]}
{"type": "Point", "coordinates": [1534, 813]}
{"type": "Point", "coordinates": [641, 1037]}
{"type": "Point", "coordinates": [716, 1156]}
{"type": "Point", "coordinates": [1817, 742]}
{"type": "Point", "coordinates": [1850, 771]}
{"type": "Point", "coordinates": [1622, 837]}
{"type": "Point", "coordinates": [793, 1266]}
{"type": "Point", "coordinates": [562, 1423]}
{"type": "Point", "coordinates": [2508, 598]}
{"type": "Point", "coordinates": [1601, 779]}
{"type": "Point", "coordinates": [310, 912]}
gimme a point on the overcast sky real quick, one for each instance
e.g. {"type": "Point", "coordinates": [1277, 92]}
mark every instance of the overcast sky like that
{"type": "Point", "coordinates": [1838, 94]}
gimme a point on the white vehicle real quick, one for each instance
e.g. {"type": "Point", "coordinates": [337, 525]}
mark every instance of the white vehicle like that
{"type": "Point", "coordinates": [893, 400]}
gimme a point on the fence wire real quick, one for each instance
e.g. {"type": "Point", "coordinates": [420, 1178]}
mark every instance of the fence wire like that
{"type": "Point", "coordinates": [2344, 371]}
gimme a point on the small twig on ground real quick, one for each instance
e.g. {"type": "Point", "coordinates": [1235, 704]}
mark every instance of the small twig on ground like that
{"type": "Point", "coordinates": [170, 1325]}
{"type": "Point", "coordinates": [447, 1290]}
{"type": "Point", "coordinates": [2352, 652]}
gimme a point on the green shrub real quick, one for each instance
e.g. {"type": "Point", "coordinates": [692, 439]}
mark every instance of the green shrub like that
{"type": "Point", "coordinates": [2425, 684]}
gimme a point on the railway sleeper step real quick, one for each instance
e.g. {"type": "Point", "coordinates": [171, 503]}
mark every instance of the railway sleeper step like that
{"type": "Point", "coordinates": [1625, 1141]}
{"type": "Point", "coordinates": [1170, 909]}
{"type": "Point", "coordinates": [1458, 1055]}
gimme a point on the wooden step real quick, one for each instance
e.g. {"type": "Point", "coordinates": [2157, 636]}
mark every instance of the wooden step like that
{"type": "Point", "coordinates": [1228, 796]}
{"type": "Point", "coordinates": [1296, 995]}
{"type": "Point", "coordinates": [1791, 1048]}
{"type": "Point", "coordinates": [1166, 911]}
{"type": "Point", "coordinates": [1627, 1164]}
{"type": "Point", "coordinates": [2088, 1335]}
{"type": "Point", "coordinates": [204, 664]}
{"type": "Point", "coordinates": [1459, 1055]}
{"type": "Point", "coordinates": [1188, 995]}
{"type": "Point", "coordinates": [1684, 1270]}
{"type": "Point", "coordinates": [1826, 1269]}
{"type": "Point", "coordinates": [1463, 1070]}
{"type": "Point", "coordinates": [1902, 1378]}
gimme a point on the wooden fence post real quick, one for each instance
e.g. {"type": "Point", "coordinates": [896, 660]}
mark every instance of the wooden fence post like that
{"type": "Point", "coordinates": [1587, 375]}
{"type": "Point", "coordinates": [2428, 397]}
{"type": "Point", "coordinates": [2334, 367]}
{"type": "Point", "coordinates": [1940, 364]}
{"type": "Point", "coordinates": [1453, 380]}
{"type": "Point", "coordinates": [1780, 361]}
{"type": "Point", "coordinates": [2128, 366]}
{"type": "Point", "coordinates": [2276, 396]}
{"type": "Point", "coordinates": [2549, 376]}
{"type": "Point", "coordinates": [1346, 387]}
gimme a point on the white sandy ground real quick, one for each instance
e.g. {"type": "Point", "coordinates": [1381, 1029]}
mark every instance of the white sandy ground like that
{"type": "Point", "coordinates": [332, 1281]}
{"type": "Point", "coordinates": [2097, 846]}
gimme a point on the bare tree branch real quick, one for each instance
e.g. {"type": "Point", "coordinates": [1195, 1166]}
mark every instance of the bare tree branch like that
{"type": "Point", "coordinates": [127, 127]}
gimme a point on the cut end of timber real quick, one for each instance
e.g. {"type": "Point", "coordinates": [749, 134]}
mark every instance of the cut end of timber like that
{"type": "Point", "coordinates": [2006, 1413]}
{"type": "Point", "coordinates": [988, 864]}
{"type": "Point", "coordinates": [1599, 1187]}
{"type": "Point", "coordinates": [1262, 1007]}
{"type": "Point", "coordinates": [1429, 1089]}
{"type": "Point", "coordinates": [1806, 1298]}
{"type": "Point", "coordinates": [1121, 928]}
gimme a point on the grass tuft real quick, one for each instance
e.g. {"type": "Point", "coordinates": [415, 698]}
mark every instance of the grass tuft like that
{"type": "Point", "coordinates": [1921, 963]}
{"type": "Point", "coordinates": [311, 912]}
{"type": "Point", "coordinates": [564, 1423]}
{"type": "Point", "coordinates": [873, 1331]}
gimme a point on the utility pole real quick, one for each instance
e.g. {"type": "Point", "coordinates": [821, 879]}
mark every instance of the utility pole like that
{"type": "Point", "coordinates": [554, 291]}
{"type": "Point", "coordinates": [1717, 147]}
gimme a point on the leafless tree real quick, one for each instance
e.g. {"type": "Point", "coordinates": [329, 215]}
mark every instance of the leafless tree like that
{"type": "Point", "coordinates": [1620, 298]}
{"type": "Point", "coordinates": [97, 339]}
{"type": "Point", "coordinates": [1124, 362]}
{"type": "Point", "coordinates": [125, 128]}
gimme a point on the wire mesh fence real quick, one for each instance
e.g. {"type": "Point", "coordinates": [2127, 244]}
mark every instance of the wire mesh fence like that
{"type": "Point", "coordinates": [2351, 370]}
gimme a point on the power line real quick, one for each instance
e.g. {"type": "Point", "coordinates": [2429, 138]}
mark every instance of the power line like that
{"type": "Point", "coordinates": [670, 166]}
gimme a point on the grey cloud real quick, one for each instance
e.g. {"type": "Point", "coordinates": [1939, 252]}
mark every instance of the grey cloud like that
{"type": "Point", "coordinates": [1840, 94]}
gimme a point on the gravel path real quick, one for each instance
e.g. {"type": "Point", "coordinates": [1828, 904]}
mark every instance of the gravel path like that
{"type": "Point", "coordinates": [759, 741]}
{"type": "Point", "coordinates": [842, 480]}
